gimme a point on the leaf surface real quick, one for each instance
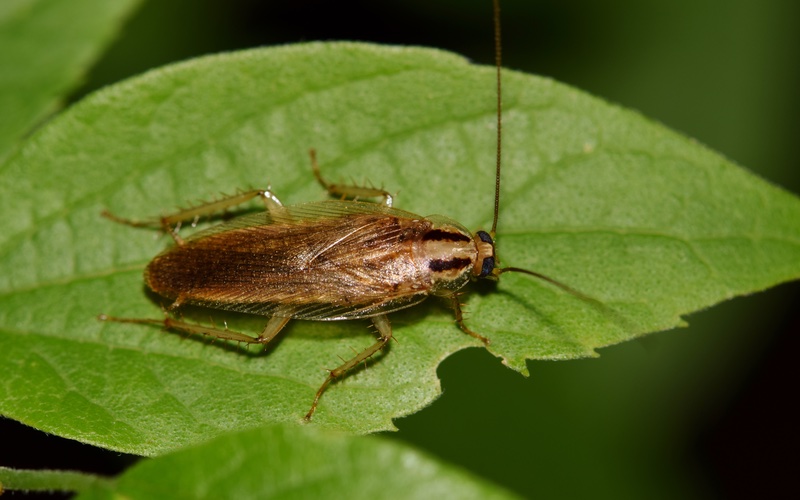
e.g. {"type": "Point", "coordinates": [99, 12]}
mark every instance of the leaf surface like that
{"type": "Point", "coordinates": [289, 462]}
{"type": "Point", "coordinates": [47, 47]}
{"type": "Point", "coordinates": [649, 223]}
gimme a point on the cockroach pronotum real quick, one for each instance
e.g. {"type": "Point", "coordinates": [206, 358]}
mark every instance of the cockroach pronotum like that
{"type": "Point", "coordinates": [322, 261]}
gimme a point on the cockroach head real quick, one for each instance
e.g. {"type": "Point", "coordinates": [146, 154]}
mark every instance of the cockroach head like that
{"type": "Point", "coordinates": [484, 264]}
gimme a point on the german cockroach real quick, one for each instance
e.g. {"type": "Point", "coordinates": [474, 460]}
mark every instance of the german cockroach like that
{"type": "Point", "coordinates": [322, 261]}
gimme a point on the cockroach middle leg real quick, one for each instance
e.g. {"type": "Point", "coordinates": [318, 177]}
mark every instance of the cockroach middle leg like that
{"type": "Point", "coordinates": [384, 336]}
{"type": "Point", "coordinates": [348, 190]}
{"type": "Point", "coordinates": [171, 223]}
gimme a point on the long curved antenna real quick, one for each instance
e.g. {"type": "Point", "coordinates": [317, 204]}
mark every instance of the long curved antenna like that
{"type": "Point", "coordinates": [599, 305]}
{"type": "Point", "coordinates": [550, 280]}
{"type": "Point", "coordinates": [498, 62]}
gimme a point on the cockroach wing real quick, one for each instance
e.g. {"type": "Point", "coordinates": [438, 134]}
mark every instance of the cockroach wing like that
{"type": "Point", "coordinates": [304, 213]}
{"type": "Point", "coordinates": [320, 261]}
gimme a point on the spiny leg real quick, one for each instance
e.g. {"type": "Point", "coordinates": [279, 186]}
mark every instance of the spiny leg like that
{"type": "Point", "coordinates": [460, 320]}
{"type": "Point", "coordinates": [274, 326]}
{"type": "Point", "coordinates": [172, 223]}
{"type": "Point", "coordinates": [384, 335]}
{"type": "Point", "coordinates": [348, 190]}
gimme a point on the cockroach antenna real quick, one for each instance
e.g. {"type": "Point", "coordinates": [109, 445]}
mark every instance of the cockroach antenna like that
{"type": "Point", "coordinates": [498, 61]}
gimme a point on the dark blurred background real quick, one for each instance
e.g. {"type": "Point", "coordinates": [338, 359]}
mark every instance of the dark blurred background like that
{"type": "Point", "coordinates": [699, 412]}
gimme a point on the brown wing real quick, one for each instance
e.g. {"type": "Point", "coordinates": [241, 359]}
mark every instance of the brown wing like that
{"type": "Point", "coordinates": [322, 261]}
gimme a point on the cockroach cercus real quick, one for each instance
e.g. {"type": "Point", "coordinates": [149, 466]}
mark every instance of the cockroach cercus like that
{"type": "Point", "coordinates": [322, 261]}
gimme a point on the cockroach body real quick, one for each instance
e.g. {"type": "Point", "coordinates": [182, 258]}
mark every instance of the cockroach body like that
{"type": "Point", "coordinates": [331, 260]}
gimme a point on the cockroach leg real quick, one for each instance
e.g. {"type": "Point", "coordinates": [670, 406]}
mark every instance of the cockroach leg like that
{"type": "Point", "coordinates": [460, 320]}
{"type": "Point", "coordinates": [347, 190]}
{"type": "Point", "coordinates": [271, 203]}
{"type": "Point", "coordinates": [274, 326]}
{"type": "Point", "coordinates": [384, 336]}
{"type": "Point", "coordinates": [171, 223]}
{"type": "Point", "coordinates": [191, 213]}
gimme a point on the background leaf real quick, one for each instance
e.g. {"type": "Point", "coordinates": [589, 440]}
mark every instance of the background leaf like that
{"type": "Point", "coordinates": [49, 481]}
{"type": "Point", "coordinates": [47, 48]}
{"type": "Point", "coordinates": [290, 462]}
{"type": "Point", "coordinates": [648, 222]}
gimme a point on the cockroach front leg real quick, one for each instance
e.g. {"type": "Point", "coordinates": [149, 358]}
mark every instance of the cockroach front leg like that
{"type": "Point", "coordinates": [460, 320]}
{"type": "Point", "coordinates": [349, 190]}
{"type": "Point", "coordinates": [384, 335]}
{"type": "Point", "coordinates": [171, 223]}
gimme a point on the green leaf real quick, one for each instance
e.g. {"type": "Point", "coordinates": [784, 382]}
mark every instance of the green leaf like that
{"type": "Point", "coordinates": [49, 480]}
{"type": "Point", "coordinates": [646, 221]}
{"type": "Point", "coordinates": [270, 461]}
{"type": "Point", "coordinates": [290, 462]}
{"type": "Point", "coordinates": [47, 47]}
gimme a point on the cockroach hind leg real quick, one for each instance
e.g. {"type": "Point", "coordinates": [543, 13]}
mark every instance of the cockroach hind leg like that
{"type": "Point", "coordinates": [221, 205]}
{"type": "Point", "coordinates": [174, 306]}
{"type": "Point", "coordinates": [151, 223]}
{"type": "Point", "coordinates": [349, 191]}
{"type": "Point", "coordinates": [121, 220]}
{"type": "Point", "coordinates": [171, 223]}
{"type": "Point", "coordinates": [274, 326]}
{"type": "Point", "coordinates": [384, 336]}
{"type": "Point", "coordinates": [140, 321]}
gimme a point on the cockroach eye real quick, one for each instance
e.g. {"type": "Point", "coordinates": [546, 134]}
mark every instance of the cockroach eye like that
{"type": "Point", "coordinates": [487, 268]}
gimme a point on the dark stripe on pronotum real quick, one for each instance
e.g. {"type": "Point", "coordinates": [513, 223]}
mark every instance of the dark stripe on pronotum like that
{"type": "Point", "coordinates": [446, 265]}
{"type": "Point", "coordinates": [442, 235]}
